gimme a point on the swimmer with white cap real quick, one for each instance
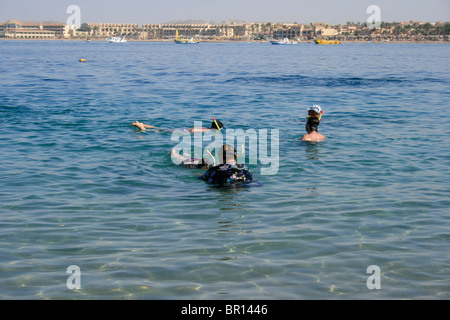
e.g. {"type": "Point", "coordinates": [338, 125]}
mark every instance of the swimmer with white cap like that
{"type": "Point", "coordinates": [312, 126]}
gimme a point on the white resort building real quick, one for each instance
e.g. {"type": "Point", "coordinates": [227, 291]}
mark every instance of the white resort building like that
{"type": "Point", "coordinates": [18, 30]}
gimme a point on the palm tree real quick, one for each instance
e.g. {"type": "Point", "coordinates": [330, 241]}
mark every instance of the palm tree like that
{"type": "Point", "coordinates": [427, 27]}
{"type": "Point", "coordinates": [446, 28]}
{"type": "Point", "coordinates": [399, 30]}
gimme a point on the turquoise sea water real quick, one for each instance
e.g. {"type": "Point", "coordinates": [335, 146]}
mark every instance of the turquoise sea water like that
{"type": "Point", "coordinates": [80, 186]}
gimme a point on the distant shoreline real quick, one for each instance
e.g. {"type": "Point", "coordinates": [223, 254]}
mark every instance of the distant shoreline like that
{"type": "Point", "coordinates": [236, 41]}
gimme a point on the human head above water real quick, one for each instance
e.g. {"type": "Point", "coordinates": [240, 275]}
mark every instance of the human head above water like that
{"type": "Point", "coordinates": [226, 153]}
{"type": "Point", "coordinates": [214, 126]}
{"type": "Point", "coordinates": [314, 111]}
{"type": "Point", "coordinates": [312, 124]}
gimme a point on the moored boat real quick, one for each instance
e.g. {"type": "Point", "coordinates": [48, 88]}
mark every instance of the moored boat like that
{"type": "Point", "coordinates": [116, 40]}
{"type": "Point", "coordinates": [281, 42]}
{"type": "Point", "coordinates": [322, 41]}
{"type": "Point", "coordinates": [185, 41]}
{"type": "Point", "coordinates": [180, 40]}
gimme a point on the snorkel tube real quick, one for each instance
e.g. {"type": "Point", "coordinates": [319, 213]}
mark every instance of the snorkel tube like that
{"type": "Point", "coordinates": [217, 125]}
{"type": "Point", "coordinates": [212, 157]}
{"type": "Point", "coordinates": [321, 113]}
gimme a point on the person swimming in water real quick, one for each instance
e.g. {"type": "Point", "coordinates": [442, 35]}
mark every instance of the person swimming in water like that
{"type": "Point", "coordinates": [196, 163]}
{"type": "Point", "coordinates": [215, 125]}
{"type": "Point", "coordinates": [142, 126]}
{"type": "Point", "coordinates": [312, 126]}
{"type": "Point", "coordinates": [192, 163]}
{"type": "Point", "coordinates": [229, 172]}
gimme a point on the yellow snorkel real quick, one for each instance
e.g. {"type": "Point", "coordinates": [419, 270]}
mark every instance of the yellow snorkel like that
{"type": "Point", "coordinates": [320, 115]}
{"type": "Point", "coordinates": [217, 125]}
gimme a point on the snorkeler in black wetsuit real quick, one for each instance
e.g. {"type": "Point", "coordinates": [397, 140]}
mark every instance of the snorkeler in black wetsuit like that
{"type": "Point", "coordinates": [229, 172]}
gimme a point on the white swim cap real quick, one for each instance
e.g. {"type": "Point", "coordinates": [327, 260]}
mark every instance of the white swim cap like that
{"type": "Point", "coordinates": [315, 108]}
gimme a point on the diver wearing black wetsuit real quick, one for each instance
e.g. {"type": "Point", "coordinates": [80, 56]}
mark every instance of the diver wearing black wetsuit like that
{"type": "Point", "coordinates": [229, 172]}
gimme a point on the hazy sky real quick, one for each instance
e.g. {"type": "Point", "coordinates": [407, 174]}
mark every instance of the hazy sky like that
{"type": "Point", "coordinates": [158, 11]}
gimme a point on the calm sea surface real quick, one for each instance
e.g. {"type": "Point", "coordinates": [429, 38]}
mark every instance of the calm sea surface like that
{"type": "Point", "coordinates": [80, 186]}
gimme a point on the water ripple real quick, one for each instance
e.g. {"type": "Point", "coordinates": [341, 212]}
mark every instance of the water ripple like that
{"type": "Point", "coordinates": [79, 185]}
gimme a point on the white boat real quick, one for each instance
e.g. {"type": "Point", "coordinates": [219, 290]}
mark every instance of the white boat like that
{"type": "Point", "coordinates": [284, 41]}
{"type": "Point", "coordinates": [116, 40]}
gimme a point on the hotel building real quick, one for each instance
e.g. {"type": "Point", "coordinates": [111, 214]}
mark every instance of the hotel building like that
{"type": "Point", "coordinates": [112, 29]}
{"type": "Point", "coordinates": [290, 32]}
{"type": "Point", "coordinates": [18, 30]}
